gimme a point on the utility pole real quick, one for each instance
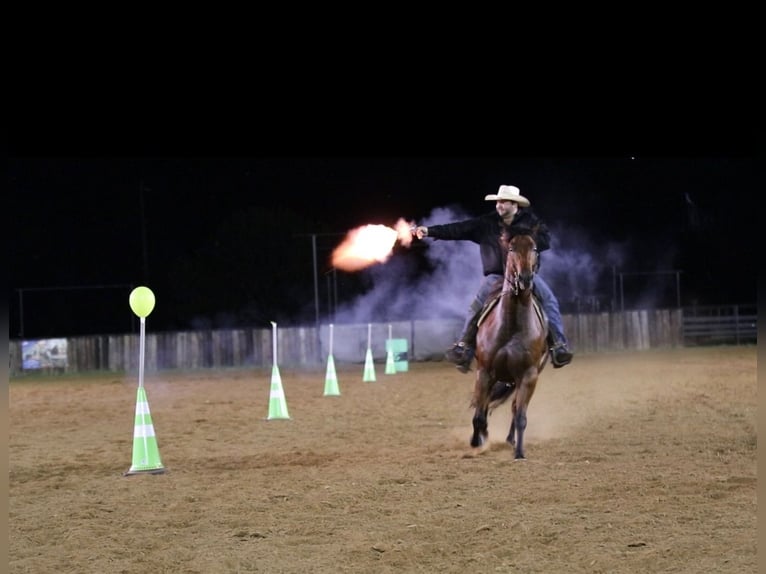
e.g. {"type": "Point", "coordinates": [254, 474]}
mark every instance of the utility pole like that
{"type": "Point", "coordinates": [316, 282]}
{"type": "Point", "coordinates": [316, 268]}
{"type": "Point", "coordinates": [144, 253]}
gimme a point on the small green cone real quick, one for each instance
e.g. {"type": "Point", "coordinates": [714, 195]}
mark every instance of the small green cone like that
{"type": "Point", "coordinates": [146, 454]}
{"type": "Point", "coordinates": [277, 404]}
{"type": "Point", "coordinates": [390, 366]}
{"type": "Point", "coordinates": [369, 368]}
{"type": "Point", "coordinates": [331, 379]}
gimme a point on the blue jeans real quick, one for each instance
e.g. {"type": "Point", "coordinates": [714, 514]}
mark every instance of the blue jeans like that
{"type": "Point", "coordinates": [542, 290]}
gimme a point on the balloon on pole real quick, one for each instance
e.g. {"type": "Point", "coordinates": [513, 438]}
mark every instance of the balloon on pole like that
{"type": "Point", "coordinates": [142, 301]}
{"type": "Point", "coordinates": [146, 454]}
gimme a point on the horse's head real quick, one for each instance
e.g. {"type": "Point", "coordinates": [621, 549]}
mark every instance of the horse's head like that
{"type": "Point", "coordinates": [522, 259]}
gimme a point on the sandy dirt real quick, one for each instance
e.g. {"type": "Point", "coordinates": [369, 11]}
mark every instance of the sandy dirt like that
{"type": "Point", "coordinates": [636, 462]}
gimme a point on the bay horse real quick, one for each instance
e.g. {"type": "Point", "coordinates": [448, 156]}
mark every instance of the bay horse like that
{"type": "Point", "coordinates": [511, 347]}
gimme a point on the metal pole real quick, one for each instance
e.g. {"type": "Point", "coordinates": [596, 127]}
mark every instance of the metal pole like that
{"type": "Point", "coordinates": [335, 293]}
{"type": "Point", "coordinates": [316, 285]}
{"type": "Point", "coordinates": [622, 295]}
{"type": "Point", "coordinates": [21, 313]}
{"type": "Point", "coordinates": [316, 279]}
{"type": "Point", "coordinates": [316, 296]}
{"type": "Point", "coordinates": [144, 257]}
{"type": "Point", "coordinates": [622, 312]}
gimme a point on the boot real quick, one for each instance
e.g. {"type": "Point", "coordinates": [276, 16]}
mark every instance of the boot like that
{"type": "Point", "coordinates": [462, 352]}
{"type": "Point", "coordinates": [560, 354]}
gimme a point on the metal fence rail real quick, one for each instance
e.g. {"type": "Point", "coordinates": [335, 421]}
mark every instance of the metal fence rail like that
{"type": "Point", "coordinates": [736, 324]}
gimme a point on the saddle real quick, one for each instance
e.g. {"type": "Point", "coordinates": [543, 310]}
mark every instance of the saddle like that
{"type": "Point", "coordinates": [495, 298]}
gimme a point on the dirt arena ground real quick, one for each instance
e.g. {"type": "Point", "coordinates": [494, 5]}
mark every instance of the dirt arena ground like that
{"type": "Point", "coordinates": [636, 462]}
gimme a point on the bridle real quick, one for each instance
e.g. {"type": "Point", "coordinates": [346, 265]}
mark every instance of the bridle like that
{"type": "Point", "coordinates": [517, 280]}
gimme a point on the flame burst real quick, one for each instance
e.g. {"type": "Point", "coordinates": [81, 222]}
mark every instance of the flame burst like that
{"type": "Point", "coordinates": [370, 244]}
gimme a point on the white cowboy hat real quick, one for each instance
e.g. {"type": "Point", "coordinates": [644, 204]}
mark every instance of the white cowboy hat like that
{"type": "Point", "coordinates": [509, 192]}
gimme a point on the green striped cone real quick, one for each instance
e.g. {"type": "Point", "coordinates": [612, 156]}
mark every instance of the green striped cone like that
{"type": "Point", "coordinates": [331, 379]}
{"type": "Point", "coordinates": [277, 404]}
{"type": "Point", "coordinates": [369, 368]}
{"type": "Point", "coordinates": [146, 454]}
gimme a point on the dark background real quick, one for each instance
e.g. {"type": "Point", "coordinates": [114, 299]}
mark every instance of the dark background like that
{"type": "Point", "coordinates": [229, 241]}
{"type": "Point", "coordinates": [224, 216]}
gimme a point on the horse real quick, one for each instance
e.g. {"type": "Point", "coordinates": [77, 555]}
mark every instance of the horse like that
{"type": "Point", "coordinates": [511, 347]}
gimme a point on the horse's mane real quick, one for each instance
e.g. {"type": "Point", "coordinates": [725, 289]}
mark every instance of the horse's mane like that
{"type": "Point", "coordinates": [511, 231]}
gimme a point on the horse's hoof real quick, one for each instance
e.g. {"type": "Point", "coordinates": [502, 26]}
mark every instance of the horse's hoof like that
{"type": "Point", "coordinates": [479, 440]}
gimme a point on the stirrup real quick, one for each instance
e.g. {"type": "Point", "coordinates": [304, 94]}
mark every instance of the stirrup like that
{"type": "Point", "coordinates": [462, 355]}
{"type": "Point", "coordinates": [456, 353]}
{"type": "Point", "coordinates": [560, 356]}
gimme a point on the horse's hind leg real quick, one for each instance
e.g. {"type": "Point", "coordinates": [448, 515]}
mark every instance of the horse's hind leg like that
{"type": "Point", "coordinates": [520, 420]}
{"type": "Point", "coordinates": [480, 430]}
{"type": "Point", "coordinates": [511, 438]}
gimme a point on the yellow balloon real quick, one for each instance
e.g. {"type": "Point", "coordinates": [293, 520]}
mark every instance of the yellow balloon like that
{"type": "Point", "coordinates": [142, 301]}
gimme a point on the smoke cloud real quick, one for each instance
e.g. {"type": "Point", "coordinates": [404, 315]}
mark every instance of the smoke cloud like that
{"type": "Point", "coordinates": [582, 272]}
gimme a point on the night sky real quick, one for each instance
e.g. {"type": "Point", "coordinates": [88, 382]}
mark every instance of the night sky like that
{"type": "Point", "coordinates": [229, 241]}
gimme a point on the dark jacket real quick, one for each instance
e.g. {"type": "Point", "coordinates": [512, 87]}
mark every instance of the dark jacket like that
{"type": "Point", "coordinates": [486, 231]}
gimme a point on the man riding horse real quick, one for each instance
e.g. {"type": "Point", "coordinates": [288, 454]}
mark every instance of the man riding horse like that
{"type": "Point", "coordinates": [511, 210]}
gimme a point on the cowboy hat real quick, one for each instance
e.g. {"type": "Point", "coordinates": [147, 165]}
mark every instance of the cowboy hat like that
{"type": "Point", "coordinates": [509, 192]}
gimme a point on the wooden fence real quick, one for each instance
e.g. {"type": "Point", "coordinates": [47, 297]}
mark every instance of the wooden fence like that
{"type": "Point", "coordinates": [427, 340]}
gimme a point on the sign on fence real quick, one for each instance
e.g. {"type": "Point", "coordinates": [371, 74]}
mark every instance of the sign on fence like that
{"type": "Point", "coordinates": [44, 354]}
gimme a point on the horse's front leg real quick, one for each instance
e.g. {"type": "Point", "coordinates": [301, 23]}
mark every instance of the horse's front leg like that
{"type": "Point", "coordinates": [520, 422]}
{"type": "Point", "coordinates": [480, 428]}
{"type": "Point", "coordinates": [523, 395]}
{"type": "Point", "coordinates": [480, 403]}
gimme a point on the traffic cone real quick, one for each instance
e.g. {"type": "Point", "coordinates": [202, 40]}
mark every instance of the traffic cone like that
{"type": "Point", "coordinates": [369, 368]}
{"type": "Point", "coordinates": [390, 366]}
{"type": "Point", "coordinates": [277, 404]}
{"type": "Point", "coordinates": [330, 379]}
{"type": "Point", "coordinates": [146, 454]}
